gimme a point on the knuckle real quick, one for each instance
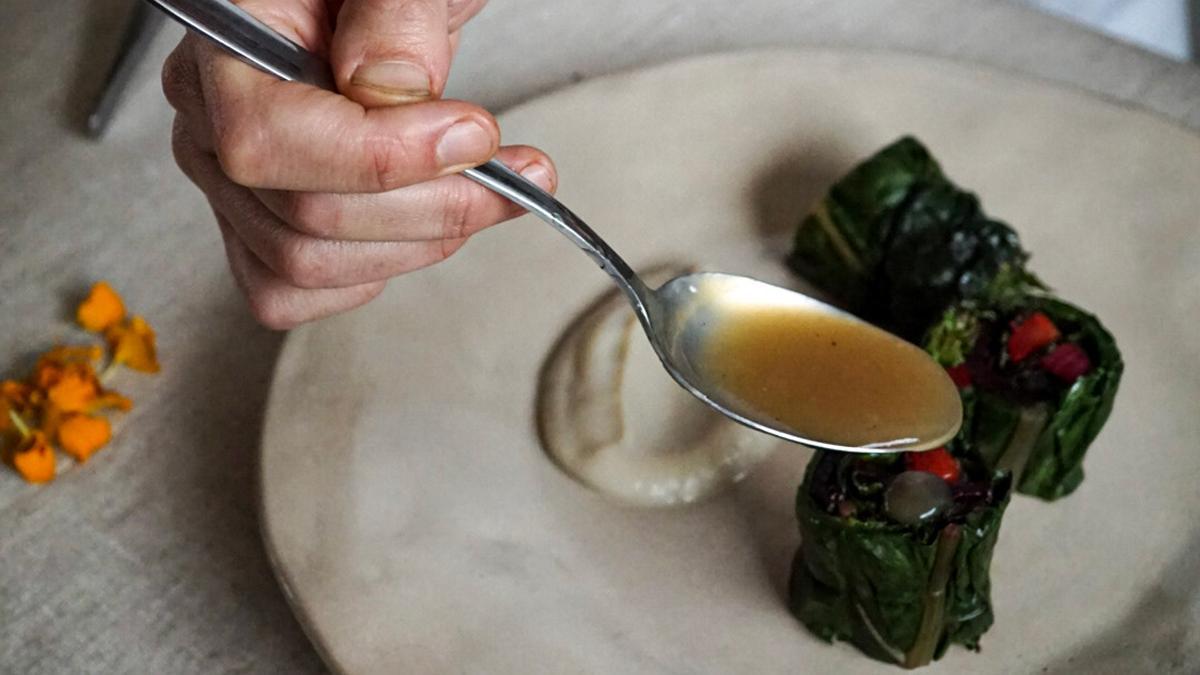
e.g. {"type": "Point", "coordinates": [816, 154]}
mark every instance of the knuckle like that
{"type": "Point", "coordinates": [302, 264]}
{"type": "Point", "coordinates": [456, 8]}
{"type": "Point", "coordinates": [178, 82]}
{"type": "Point", "coordinates": [447, 248]}
{"type": "Point", "coordinates": [390, 163]}
{"type": "Point", "coordinates": [457, 212]}
{"type": "Point", "coordinates": [315, 214]}
{"type": "Point", "coordinates": [272, 310]}
{"type": "Point", "coordinates": [180, 148]}
{"type": "Point", "coordinates": [240, 149]}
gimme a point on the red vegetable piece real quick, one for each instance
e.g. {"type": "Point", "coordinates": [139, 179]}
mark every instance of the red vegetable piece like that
{"type": "Point", "coordinates": [1068, 362]}
{"type": "Point", "coordinates": [1035, 332]}
{"type": "Point", "coordinates": [960, 375]}
{"type": "Point", "coordinates": [938, 462]}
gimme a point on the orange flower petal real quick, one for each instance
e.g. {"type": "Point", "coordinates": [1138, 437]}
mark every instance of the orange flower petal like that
{"type": "Point", "coordinates": [46, 373]}
{"type": "Point", "coordinates": [110, 400]}
{"type": "Point", "coordinates": [81, 435]}
{"type": "Point", "coordinates": [132, 344]}
{"type": "Point", "coordinates": [75, 389]}
{"type": "Point", "coordinates": [63, 354]}
{"type": "Point", "coordinates": [34, 459]}
{"type": "Point", "coordinates": [101, 309]}
{"type": "Point", "coordinates": [53, 363]}
{"type": "Point", "coordinates": [14, 396]}
{"type": "Point", "coordinates": [15, 392]}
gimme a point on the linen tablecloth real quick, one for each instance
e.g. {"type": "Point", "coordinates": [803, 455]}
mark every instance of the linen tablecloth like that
{"type": "Point", "coordinates": [148, 559]}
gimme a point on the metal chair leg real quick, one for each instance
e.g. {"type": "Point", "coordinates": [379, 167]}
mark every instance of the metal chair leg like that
{"type": "Point", "coordinates": [139, 33]}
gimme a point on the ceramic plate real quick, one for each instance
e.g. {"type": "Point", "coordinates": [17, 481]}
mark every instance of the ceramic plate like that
{"type": "Point", "coordinates": [418, 527]}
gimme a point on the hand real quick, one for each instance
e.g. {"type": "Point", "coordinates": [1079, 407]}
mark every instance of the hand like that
{"type": "Point", "coordinates": [322, 197]}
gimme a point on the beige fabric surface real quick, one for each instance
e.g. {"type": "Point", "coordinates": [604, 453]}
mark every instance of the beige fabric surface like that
{"type": "Point", "coordinates": [148, 560]}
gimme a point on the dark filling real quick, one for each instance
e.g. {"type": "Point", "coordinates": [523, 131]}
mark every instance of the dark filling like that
{"type": "Point", "coordinates": [1026, 382]}
{"type": "Point", "coordinates": [853, 485]}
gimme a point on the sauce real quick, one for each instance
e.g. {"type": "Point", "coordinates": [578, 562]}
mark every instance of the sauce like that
{"type": "Point", "coordinates": [610, 418]}
{"type": "Point", "coordinates": [830, 378]}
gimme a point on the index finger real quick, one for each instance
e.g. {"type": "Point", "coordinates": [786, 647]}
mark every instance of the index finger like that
{"type": "Point", "coordinates": [268, 133]}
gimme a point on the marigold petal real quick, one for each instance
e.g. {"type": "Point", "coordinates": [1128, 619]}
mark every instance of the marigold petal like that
{"type": "Point", "coordinates": [81, 435]}
{"type": "Point", "coordinates": [13, 396]}
{"type": "Point", "coordinates": [101, 309]}
{"type": "Point", "coordinates": [75, 389]}
{"type": "Point", "coordinates": [133, 344]}
{"type": "Point", "coordinates": [15, 392]}
{"type": "Point", "coordinates": [34, 459]}
{"type": "Point", "coordinates": [46, 373]}
{"type": "Point", "coordinates": [52, 364]}
{"type": "Point", "coordinates": [110, 400]}
{"type": "Point", "coordinates": [64, 354]}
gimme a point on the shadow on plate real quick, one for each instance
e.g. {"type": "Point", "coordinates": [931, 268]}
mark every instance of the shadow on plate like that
{"type": "Point", "coordinates": [1157, 635]}
{"type": "Point", "coordinates": [785, 190]}
{"type": "Point", "coordinates": [766, 500]}
{"type": "Point", "coordinates": [227, 376]}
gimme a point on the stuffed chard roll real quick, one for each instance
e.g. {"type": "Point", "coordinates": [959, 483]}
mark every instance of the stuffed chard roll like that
{"type": "Point", "coordinates": [1037, 376]}
{"type": "Point", "coordinates": [896, 242]}
{"type": "Point", "coordinates": [896, 551]}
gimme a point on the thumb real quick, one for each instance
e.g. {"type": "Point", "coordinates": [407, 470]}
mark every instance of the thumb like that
{"type": "Point", "coordinates": [387, 52]}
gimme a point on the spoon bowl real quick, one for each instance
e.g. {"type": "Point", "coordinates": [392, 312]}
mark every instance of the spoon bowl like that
{"type": "Point", "coordinates": [757, 353]}
{"type": "Point", "coordinates": [782, 374]}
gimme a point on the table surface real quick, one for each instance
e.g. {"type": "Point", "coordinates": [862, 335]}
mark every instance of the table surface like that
{"type": "Point", "coordinates": [148, 559]}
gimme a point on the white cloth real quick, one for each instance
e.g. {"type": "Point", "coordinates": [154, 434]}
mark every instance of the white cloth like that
{"type": "Point", "coordinates": [1164, 26]}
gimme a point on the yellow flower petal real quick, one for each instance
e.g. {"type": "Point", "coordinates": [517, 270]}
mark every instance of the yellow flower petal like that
{"type": "Point", "coordinates": [101, 309]}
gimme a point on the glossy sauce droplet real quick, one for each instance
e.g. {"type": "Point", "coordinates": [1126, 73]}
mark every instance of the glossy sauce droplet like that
{"type": "Point", "coordinates": [914, 497]}
{"type": "Point", "coordinates": [831, 378]}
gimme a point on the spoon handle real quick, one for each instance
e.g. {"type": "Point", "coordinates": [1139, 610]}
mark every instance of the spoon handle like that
{"type": "Point", "coordinates": [259, 45]}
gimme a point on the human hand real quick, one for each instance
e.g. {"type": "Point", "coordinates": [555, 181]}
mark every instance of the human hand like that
{"type": "Point", "coordinates": [322, 197]}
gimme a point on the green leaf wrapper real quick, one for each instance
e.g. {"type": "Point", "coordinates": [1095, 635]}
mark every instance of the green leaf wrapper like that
{"type": "Point", "coordinates": [901, 594]}
{"type": "Point", "coordinates": [1042, 443]}
{"type": "Point", "coordinates": [896, 242]}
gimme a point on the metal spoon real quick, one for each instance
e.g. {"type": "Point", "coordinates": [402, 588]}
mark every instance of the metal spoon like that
{"type": "Point", "coordinates": [677, 317]}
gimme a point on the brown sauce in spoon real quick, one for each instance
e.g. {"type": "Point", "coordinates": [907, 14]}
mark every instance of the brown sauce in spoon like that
{"type": "Point", "coordinates": [831, 378]}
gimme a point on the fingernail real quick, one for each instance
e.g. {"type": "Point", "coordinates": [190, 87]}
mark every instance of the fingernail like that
{"type": "Point", "coordinates": [465, 144]}
{"type": "Point", "coordinates": [397, 80]}
{"type": "Point", "coordinates": [539, 174]}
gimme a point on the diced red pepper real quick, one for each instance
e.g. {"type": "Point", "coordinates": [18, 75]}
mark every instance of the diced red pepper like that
{"type": "Point", "coordinates": [938, 462]}
{"type": "Point", "coordinates": [960, 375]}
{"type": "Point", "coordinates": [1068, 362]}
{"type": "Point", "coordinates": [1035, 332]}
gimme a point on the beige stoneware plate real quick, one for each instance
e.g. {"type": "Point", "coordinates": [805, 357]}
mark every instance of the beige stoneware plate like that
{"type": "Point", "coordinates": [418, 528]}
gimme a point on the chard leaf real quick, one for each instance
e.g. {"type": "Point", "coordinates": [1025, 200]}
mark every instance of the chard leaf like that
{"type": "Point", "coordinates": [1055, 466]}
{"type": "Point", "coordinates": [872, 582]}
{"type": "Point", "coordinates": [951, 338]}
{"type": "Point", "coordinates": [896, 242]}
{"type": "Point", "coordinates": [841, 243]}
{"type": "Point", "coordinates": [1044, 449]}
